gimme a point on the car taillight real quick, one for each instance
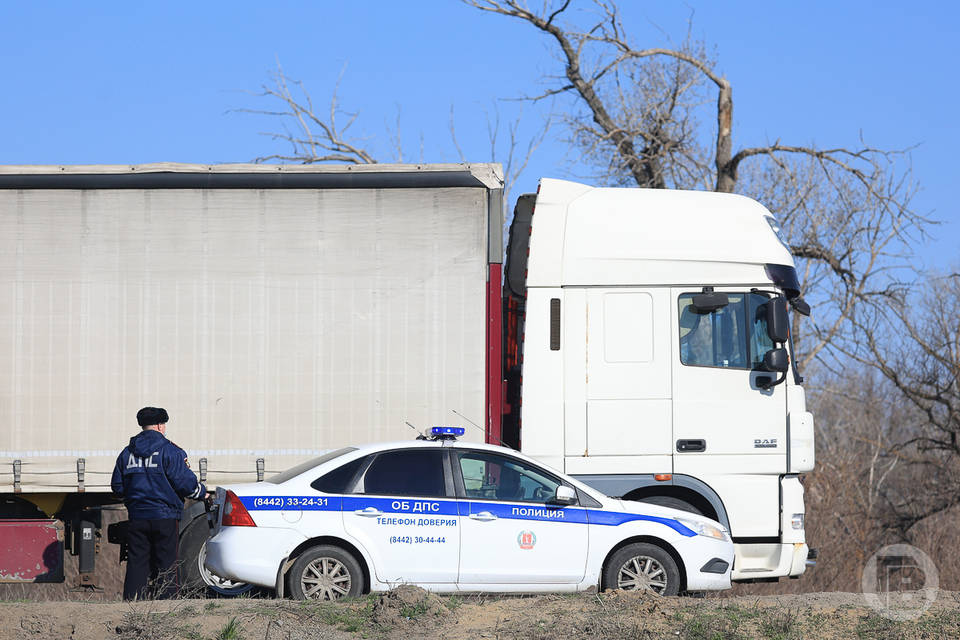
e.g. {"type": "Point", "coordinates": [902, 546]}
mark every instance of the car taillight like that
{"type": "Point", "coordinates": [234, 513]}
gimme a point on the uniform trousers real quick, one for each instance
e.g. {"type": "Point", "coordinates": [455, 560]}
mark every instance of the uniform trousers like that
{"type": "Point", "coordinates": [151, 559]}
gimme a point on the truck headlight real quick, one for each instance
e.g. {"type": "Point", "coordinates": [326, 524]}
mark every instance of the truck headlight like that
{"type": "Point", "coordinates": [704, 529]}
{"type": "Point", "coordinates": [797, 521]}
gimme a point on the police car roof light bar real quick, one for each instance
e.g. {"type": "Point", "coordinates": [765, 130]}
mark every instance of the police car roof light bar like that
{"type": "Point", "coordinates": [446, 433]}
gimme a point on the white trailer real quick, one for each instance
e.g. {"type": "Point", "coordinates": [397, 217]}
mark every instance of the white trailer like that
{"type": "Point", "coordinates": [275, 312]}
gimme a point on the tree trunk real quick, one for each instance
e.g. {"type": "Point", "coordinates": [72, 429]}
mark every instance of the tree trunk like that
{"type": "Point", "coordinates": [726, 170]}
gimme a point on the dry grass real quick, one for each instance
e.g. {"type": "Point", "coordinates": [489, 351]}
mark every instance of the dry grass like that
{"type": "Point", "coordinates": [412, 613]}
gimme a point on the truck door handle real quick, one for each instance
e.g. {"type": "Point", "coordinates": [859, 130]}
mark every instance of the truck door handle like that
{"type": "Point", "coordinates": [483, 516]}
{"type": "Point", "coordinates": [369, 512]}
{"type": "Point", "coordinates": [691, 445]}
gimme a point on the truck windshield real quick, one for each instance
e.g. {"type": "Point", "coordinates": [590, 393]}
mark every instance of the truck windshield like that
{"type": "Point", "coordinates": [732, 337]}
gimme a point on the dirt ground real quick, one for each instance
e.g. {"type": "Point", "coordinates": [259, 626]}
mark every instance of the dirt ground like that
{"type": "Point", "coordinates": [408, 612]}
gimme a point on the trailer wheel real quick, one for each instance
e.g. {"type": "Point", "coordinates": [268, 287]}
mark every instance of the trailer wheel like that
{"type": "Point", "coordinates": [196, 578]}
{"type": "Point", "coordinates": [642, 567]}
{"type": "Point", "coordinates": [325, 572]}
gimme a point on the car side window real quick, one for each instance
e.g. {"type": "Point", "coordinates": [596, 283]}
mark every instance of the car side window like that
{"type": "Point", "coordinates": [340, 480]}
{"type": "Point", "coordinates": [406, 472]}
{"type": "Point", "coordinates": [489, 476]}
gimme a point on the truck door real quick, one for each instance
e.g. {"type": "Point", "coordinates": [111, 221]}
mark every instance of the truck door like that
{"type": "Point", "coordinates": [624, 366]}
{"type": "Point", "coordinates": [728, 430]}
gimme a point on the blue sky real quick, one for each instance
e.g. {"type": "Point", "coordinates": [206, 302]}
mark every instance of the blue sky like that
{"type": "Point", "coordinates": [112, 82]}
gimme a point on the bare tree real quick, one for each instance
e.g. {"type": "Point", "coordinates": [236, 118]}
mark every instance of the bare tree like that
{"type": "Point", "coordinates": [914, 342]}
{"type": "Point", "coordinates": [313, 136]}
{"type": "Point", "coordinates": [636, 117]}
{"type": "Point", "coordinates": [316, 136]}
{"type": "Point", "coordinates": [514, 157]}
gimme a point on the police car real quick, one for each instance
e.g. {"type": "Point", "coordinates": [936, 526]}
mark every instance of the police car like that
{"type": "Point", "coordinates": [453, 516]}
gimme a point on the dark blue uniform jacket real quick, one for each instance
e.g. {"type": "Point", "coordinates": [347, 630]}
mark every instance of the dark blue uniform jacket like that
{"type": "Point", "coordinates": [153, 478]}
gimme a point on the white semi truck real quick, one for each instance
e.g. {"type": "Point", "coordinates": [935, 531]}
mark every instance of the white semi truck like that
{"type": "Point", "coordinates": [637, 339]}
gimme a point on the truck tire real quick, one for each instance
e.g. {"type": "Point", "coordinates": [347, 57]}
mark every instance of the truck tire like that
{"type": "Point", "coordinates": [642, 566]}
{"type": "Point", "coordinates": [673, 503]}
{"type": "Point", "coordinates": [325, 572]}
{"type": "Point", "coordinates": [194, 577]}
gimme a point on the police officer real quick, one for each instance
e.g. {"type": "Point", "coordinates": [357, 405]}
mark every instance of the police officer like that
{"type": "Point", "coordinates": [153, 477]}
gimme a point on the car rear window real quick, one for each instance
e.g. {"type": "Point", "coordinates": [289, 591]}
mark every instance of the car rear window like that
{"type": "Point", "coordinates": [338, 480]}
{"type": "Point", "coordinates": [407, 472]}
{"type": "Point", "coordinates": [293, 472]}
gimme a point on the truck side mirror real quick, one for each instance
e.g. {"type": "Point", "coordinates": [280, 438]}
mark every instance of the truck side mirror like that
{"type": "Point", "coordinates": [778, 322]}
{"type": "Point", "coordinates": [776, 360]}
{"type": "Point", "coordinates": [565, 495]}
{"type": "Point", "coordinates": [708, 302]}
{"type": "Point", "coordinates": [800, 306]}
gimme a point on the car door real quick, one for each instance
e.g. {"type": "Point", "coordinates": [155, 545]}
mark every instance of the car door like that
{"type": "Point", "coordinates": [404, 513]}
{"type": "Point", "coordinates": [510, 534]}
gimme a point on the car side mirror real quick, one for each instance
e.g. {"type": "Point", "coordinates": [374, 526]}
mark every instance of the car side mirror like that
{"type": "Point", "coordinates": [778, 322]}
{"type": "Point", "coordinates": [708, 302]}
{"type": "Point", "coordinates": [776, 360]}
{"type": "Point", "coordinates": [565, 495]}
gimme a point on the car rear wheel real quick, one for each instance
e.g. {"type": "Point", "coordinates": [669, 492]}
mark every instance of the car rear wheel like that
{"type": "Point", "coordinates": [325, 573]}
{"type": "Point", "coordinates": [642, 567]}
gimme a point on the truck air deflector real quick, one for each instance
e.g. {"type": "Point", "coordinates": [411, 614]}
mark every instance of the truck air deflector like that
{"type": "Point", "coordinates": [784, 277]}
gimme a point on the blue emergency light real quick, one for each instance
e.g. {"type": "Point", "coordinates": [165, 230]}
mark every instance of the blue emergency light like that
{"type": "Point", "coordinates": [454, 432]}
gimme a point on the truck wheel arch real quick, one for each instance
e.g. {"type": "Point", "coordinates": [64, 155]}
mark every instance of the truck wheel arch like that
{"type": "Point", "coordinates": [642, 485]}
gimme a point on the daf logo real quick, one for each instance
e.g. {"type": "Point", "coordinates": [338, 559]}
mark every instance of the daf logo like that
{"type": "Point", "coordinates": [765, 443]}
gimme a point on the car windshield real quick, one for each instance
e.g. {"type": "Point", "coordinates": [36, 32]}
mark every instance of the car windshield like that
{"type": "Point", "coordinates": [293, 472]}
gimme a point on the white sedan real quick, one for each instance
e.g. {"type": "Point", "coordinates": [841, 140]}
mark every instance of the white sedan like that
{"type": "Point", "coordinates": [453, 517]}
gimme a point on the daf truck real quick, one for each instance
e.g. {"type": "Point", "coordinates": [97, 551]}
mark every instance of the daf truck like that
{"type": "Point", "coordinates": [636, 339]}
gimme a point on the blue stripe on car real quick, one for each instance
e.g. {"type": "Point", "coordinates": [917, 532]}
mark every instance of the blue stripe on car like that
{"type": "Point", "coordinates": [426, 506]}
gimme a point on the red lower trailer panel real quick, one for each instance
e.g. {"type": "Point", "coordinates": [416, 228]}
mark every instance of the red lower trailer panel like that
{"type": "Point", "coordinates": [31, 551]}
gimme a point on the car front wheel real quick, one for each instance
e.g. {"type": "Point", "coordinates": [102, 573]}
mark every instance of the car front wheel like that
{"type": "Point", "coordinates": [642, 566]}
{"type": "Point", "coordinates": [325, 573]}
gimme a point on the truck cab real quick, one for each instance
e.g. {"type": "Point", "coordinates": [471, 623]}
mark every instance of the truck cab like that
{"type": "Point", "coordinates": [648, 354]}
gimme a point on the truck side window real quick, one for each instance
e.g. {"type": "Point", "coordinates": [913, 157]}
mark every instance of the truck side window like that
{"type": "Point", "coordinates": [732, 337]}
{"type": "Point", "coordinates": [760, 341]}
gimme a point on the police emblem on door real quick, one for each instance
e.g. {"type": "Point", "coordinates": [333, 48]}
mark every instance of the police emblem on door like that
{"type": "Point", "coordinates": [527, 539]}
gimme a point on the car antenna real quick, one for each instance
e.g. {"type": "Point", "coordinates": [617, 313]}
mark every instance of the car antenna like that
{"type": "Point", "coordinates": [420, 436]}
{"type": "Point", "coordinates": [502, 443]}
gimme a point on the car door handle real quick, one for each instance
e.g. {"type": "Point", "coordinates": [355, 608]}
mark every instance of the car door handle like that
{"type": "Point", "coordinates": [691, 445]}
{"type": "Point", "coordinates": [483, 516]}
{"type": "Point", "coordinates": [369, 512]}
